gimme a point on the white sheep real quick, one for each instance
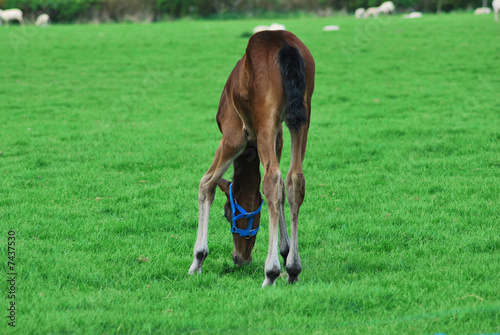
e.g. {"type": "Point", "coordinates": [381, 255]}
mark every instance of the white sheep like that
{"type": "Point", "coordinates": [331, 28]}
{"type": "Point", "coordinates": [387, 8]}
{"type": "Point", "coordinates": [260, 28]}
{"type": "Point", "coordinates": [496, 7]}
{"type": "Point", "coordinates": [11, 14]}
{"type": "Point", "coordinates": [414, 15]}
{"type": "Point", "coordinates": [274, 26]}
{"type": "Point", "coordinates": [482, 10]}
{"type": "Point", "coordinates": [358, 14]}
{"type": "Point", "coordinates": [372, 11]}
{"type": "Point", "coordinates": [42, 20]}
{"type": "Point", "coordinates": [277, 26]}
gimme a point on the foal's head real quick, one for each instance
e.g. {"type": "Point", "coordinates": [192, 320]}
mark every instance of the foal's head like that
{"type": "Point", "coordinates": [245, 188]}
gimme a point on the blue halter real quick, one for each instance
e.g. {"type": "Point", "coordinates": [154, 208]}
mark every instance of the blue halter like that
{"type": "Point", "coordinates": [244, 215]}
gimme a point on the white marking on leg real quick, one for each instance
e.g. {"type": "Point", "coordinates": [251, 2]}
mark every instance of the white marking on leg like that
{"type": "Point", "coordinates": [201, 245]}
{"type": "Point", "coordinates": [273, 268]}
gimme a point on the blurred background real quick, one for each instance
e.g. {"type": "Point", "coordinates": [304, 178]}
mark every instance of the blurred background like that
{"type": "Point", "coordinates": [156, 10]}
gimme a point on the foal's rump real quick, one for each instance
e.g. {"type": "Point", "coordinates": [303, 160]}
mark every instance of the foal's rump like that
{"type": "Point", "coordinates": [279, 68]}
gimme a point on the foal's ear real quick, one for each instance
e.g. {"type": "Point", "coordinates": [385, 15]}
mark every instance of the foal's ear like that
{"type": "Point", "coordinates": [224, 185]}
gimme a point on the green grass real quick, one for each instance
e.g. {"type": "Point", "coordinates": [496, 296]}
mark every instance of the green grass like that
{"type": "Point", "coordinates": [106, 130]}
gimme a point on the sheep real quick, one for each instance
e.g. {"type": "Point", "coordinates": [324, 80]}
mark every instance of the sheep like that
{"type": "Point", "coordinates": [358, 14]}
{"type": "Point", "coordinates": [482, 10]}
{"type": "Point", "coordinates": [42, 20]}
{"type": "Point", "coordinates": [496, 7]}
{"type": "Point", "coordinates": [260, 28]}
{"type": "Point", "coordinates": [274, 26]}
{"type": "Point", "coordinates": [11, 14]}
{"type": "Point", "coordinates": [387, 7]}
{"type": "Point", "coordinates": [331, 28]}
{"type": "Point", "coordinates": [414, 15]}
{"type": "Point", "coordinates": [372, 11]}
{"type": "Point", "coordinates": [277, 26]}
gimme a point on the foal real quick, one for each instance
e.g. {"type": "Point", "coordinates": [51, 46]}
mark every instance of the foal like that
{"type": "Point", "coordinates": [273, 82]}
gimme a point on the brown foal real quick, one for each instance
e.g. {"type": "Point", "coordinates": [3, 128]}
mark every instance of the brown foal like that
{"type": "Point", "coordinates": [273, 82]}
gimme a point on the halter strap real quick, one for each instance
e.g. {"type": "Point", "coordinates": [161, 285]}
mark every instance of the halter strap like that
{"type": "Point", "coordinates": [244, 215]}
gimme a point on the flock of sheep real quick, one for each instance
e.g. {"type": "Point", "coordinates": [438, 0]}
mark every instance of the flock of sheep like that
{"type": "Point", "coordinates": [385, 8]}
{"type": "Point", "coordinates": [16, 14]}
{"type": "Point", "coordinates": [389, 8]}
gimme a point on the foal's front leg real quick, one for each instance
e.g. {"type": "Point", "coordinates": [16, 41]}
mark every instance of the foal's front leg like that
{"type": "Point", "coordinates": [224, 157]}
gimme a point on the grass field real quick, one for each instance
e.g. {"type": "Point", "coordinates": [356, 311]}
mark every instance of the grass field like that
{"type": "Point", "coordinates": [106, 130]}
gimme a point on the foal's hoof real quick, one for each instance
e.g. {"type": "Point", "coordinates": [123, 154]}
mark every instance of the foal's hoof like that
{"type": "Point", "coordinates": [271, 276]}
{"type": "Point", "coordinates": [268, 282]}
{"type": "Point", "coordinates": [293, 279]}
{"type": "Point", "coordinates": [194, 269]}
{"type": "Point", "coordinates": [293, 270]}
{"type": "Point", "coordinates": [199, 257]}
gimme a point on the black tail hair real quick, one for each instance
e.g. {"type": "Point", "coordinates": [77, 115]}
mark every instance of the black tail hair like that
{"type": "Point", "coordinates": [293, 77]}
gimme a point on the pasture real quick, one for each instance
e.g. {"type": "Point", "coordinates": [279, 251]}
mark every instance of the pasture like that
{"type": "Point", "coordinates": [106, 131]}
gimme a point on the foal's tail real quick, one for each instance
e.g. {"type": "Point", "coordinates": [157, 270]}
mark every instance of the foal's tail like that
{"type": "Point", "coordinates": [292, 68]}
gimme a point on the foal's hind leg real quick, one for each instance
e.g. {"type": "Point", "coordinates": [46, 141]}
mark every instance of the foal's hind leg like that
{"type": "Point", "coordinates": [228, 150]}
{"type": "Point", "coordinates": [284, 239]}
{"type": "Point", "coordinates": [295, 186]}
